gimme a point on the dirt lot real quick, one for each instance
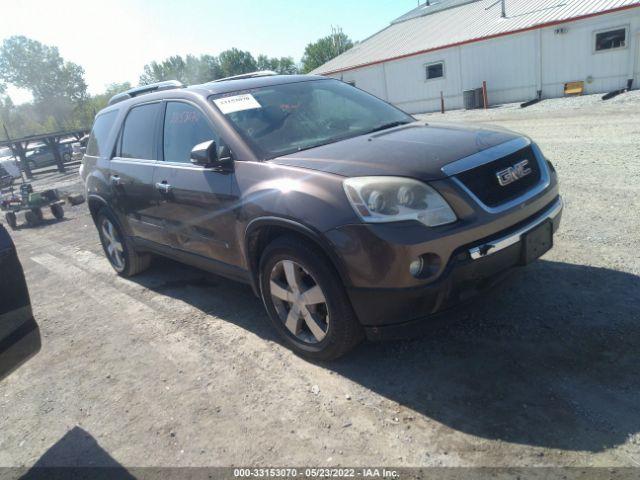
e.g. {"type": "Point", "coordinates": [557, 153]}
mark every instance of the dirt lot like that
{"type": "Point", "coordinates": [179, 368]}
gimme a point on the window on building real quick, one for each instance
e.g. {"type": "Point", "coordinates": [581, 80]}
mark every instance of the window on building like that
{"type": "Point", "coordinates": [138, 135]}
{"type": "Point", "coordinates": [611, 39]}
{"type": "Point", "coordinates": [184, 128]}
{"type": "Point", "coordinates": [435, 70]}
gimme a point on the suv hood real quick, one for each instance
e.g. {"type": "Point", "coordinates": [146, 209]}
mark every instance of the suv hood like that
{"type": "Point", "coordinates": [416, 150]}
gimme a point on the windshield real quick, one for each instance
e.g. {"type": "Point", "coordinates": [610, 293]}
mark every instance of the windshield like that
{"type": "Point", "coordinates": [282, 119]}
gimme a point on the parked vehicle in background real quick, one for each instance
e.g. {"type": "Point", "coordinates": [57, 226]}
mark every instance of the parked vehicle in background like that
{"type": "Point", "coordinates": [9, 166]}
{"type": "Point", "coordinates": [19, 334]}
{"type": "Point", "coordinates": [43, 156]}
{"type": "Point", "coordinates": [78, 148]}
{"type": "Point", "coordinates": [9, 171]}
{"type": "Point", "coordinates": [346, 215]}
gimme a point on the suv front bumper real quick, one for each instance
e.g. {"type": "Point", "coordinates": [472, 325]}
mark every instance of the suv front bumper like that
{"type": "Point", "coordinates": [398, 312]}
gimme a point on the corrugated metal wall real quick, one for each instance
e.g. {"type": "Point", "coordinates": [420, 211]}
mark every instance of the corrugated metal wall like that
{"type": "Point", "coordinates": [513, 66]}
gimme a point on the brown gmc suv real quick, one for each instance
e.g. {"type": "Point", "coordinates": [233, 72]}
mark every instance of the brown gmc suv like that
{"type": "Point", "coordinates": [346, 215]}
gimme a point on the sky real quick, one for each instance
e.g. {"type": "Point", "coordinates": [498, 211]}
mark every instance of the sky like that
{"type": "Point", "coordinates": [113, 39]}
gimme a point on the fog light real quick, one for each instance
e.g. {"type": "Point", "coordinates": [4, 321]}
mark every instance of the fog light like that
{"type": "Point", "coordinates": [415, 268]}
{"type": "Point", "coordinates": [426, 266]}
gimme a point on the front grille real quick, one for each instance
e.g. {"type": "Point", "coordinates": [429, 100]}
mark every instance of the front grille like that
{"type": "Point", "coordinates": [483, 182]}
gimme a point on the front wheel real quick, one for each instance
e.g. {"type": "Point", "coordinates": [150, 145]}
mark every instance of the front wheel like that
{"type": "Point", "coordinates": [11, 219]}
{"type": "Point", "coordinates": [57, 211]}
{"type": "Point", "coordinates": [120, 252]}
{"type": "Point", "coordinates": [33, 217]}
{"type": "Point", "coordinates": [306, 301]}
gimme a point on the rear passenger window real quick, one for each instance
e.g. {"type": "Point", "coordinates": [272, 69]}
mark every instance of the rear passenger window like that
{"type": "Point", "coordinates": [100, 133]}
{"type": "Point", "coordinates": [138, 134]}
{"type": "Point", "coordinates": [184, 128]}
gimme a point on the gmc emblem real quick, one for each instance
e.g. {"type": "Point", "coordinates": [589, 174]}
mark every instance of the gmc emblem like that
{"type": "Point", "coordinates": [513, 173]}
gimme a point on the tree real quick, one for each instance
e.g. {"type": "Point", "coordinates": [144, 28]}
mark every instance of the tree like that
{"type": "Point", "coordinates": [190, 70]}
{"type": "Point", "coordinates": [58, 87]}
{"type": "Point", "coordinates": [40, 69]}
{"type": "Point", "coordinates": [320, 52]}
{"type": "Point", "coordinates": [236, 62]}
{"type": "Point", "coordinates": [283, 65]}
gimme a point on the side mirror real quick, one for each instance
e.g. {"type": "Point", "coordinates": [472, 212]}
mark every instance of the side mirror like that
{"type": "Point", "coordinates": [207, 154]}
{"type": "Point", "coordinates": [204, 154]}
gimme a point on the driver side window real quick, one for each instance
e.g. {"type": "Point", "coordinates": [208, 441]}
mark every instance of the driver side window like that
{"type": "Point", "coordinates": [184, 127]}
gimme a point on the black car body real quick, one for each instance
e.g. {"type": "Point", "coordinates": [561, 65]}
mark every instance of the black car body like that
{"type": "Point", "coordinates": [465, 204]}
{"type": "Point", "coordinates": [19, 334]}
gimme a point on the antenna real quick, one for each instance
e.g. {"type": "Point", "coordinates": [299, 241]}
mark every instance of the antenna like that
{"type": "Point", "coordinates": [504, 7]}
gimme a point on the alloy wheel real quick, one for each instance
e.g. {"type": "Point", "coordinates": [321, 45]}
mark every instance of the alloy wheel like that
{"type": "Point", "coordinates": [299, 301]}
{"type": "Point", "coordinates": [113, 244]}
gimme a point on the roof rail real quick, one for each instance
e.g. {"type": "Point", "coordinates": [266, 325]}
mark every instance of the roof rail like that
{"type": "Point", "coordinates": [261, 73]}
{"type": "Point", "coordinates": [154, 87]}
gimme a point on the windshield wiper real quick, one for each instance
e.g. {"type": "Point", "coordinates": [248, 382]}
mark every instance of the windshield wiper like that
{"type": "Point", "coordinates": [387, 126]}
{"type": "Point", "coordinates": [347, 137]}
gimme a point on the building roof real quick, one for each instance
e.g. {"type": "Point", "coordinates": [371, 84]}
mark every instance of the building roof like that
{"type": "Point", "coordinates": [449, 23]}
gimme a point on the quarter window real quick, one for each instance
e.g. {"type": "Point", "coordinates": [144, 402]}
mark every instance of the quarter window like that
{"type": "Point", "coordinates": [100, 132]}
{"type": "Point", "coordinates": [184, 128]}
{"type": "Point", "coordinates": [138, 135]}
{"type": "Point", "coordinates": [435, 70]}
{"type": "Point", "coordinates": [611, 39]}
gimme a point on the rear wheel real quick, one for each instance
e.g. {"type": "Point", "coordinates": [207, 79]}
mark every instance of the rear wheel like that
{"type": "Point", "coordinates": [57, 211]}
{"type": "Point", "coordinates": [120, 252]}
{"type": "Point", "coordinates": [38, 213]}
{"type": "Point", "coordinates": [66, 157]}
{"type": "Point", "coordinates": [32, 218]}
{"type": "Point", "coordinates": [10, 217]}
{"type": "Point", "coordinates": [306, 301]}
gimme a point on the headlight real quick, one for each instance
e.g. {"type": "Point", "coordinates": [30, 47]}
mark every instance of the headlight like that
{"type": "Point", "coordinates": [395, 199]}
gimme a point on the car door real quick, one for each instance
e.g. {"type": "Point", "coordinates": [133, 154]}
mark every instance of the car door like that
{"type": "Point", "coordinates": [19, 332]}
{"type": "Point", "coordinates": [131, 172]}
{"type": "Point", "coordinates": [196, 204]}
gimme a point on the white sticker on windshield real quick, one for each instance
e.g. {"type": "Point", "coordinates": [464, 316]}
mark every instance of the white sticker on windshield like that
{"type": "Point", "coordinates": [237, 103]}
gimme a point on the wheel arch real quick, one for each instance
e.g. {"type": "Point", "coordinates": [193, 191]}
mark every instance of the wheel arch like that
{"type": "Point", "coordinates": [260, 232]}
{"type": "Point", "coordinates": [95, 204]}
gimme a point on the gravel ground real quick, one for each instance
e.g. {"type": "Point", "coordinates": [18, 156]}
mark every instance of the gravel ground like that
{"type": "Point", "coordinates": [179, 368]}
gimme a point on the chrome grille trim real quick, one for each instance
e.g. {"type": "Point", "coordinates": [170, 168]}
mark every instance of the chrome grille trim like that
{"type": "Point", "coordinates": [491, 155]}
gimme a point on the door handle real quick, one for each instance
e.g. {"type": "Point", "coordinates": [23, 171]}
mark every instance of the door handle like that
{"type": "Point", "coordinates": [115, 180]}
{"type": "Point", "coordinates": [163, 187]}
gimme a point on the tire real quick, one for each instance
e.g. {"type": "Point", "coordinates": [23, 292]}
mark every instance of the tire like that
{"type": "Point", "coordinates": [318, 331]}
{"type": "Point", "coordinates": [57, 211]}
{"type": "Point", "coordinates": [66, 158]}
{"type": "Point", "coordinates": [32, 218]}
{"type": "Point", "coordinates": [122, 255]}
{"type": "Point", "coordinates": [10, 217]}
{"type": "Point", "coordinates": [38, 213]}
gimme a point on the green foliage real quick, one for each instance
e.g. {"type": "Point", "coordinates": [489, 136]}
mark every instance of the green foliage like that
{"type": "Point", "coordinates": [282, 65]}
{"type": "Point", "coordinates": [57, 86]}
{"type": "Point", "coordinates": [190, 70]}
{"type": "Point", "coordinates": [321, 51]}
{"type": "Point", "coordinates": [40, 69]}
{"type": "Point", "coordinates": [236, 62]}
{"type": "Point", "coordinates": [60, 98]}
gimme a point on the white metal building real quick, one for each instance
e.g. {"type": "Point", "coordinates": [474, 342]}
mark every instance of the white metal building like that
{"type": "Point", "coordinates": [451, 46]}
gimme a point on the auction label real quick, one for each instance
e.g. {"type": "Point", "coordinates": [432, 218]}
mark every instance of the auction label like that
{"type": "Point", "coordinates": [237, 103]}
